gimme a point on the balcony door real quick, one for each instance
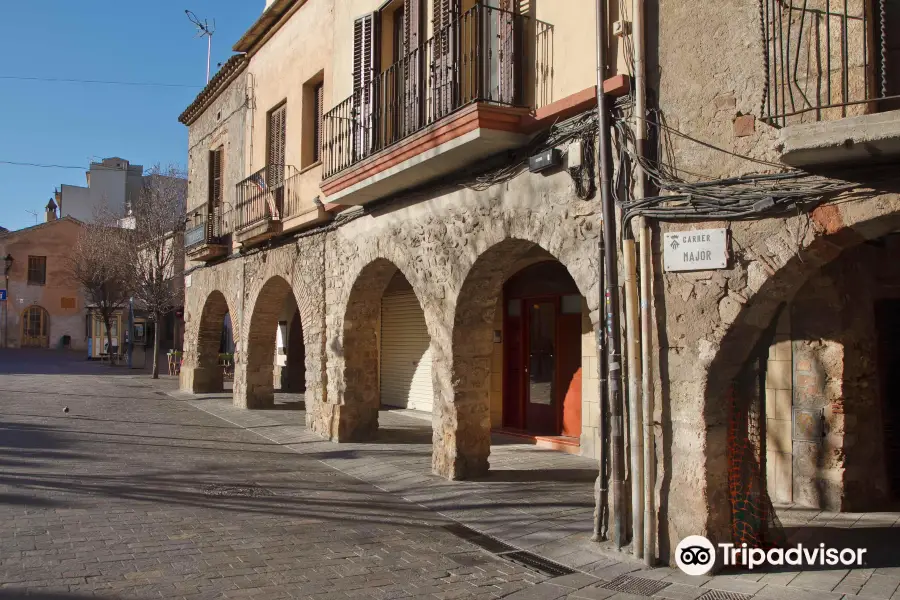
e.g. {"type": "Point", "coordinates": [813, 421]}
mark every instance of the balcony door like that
{"type": "Point", "coordinates": [444, 73]}
{"type": "Point", "coordinates": [501, 43]}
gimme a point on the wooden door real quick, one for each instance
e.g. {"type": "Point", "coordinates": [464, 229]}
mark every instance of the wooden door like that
{"type": "Point", "coordinates": [35, 328]}
{"type": "Point", "coordinates": [541, 412]}
{"type": "Point", "coordinates": [569, 364]}
{"type": "Point", "coordinates": [513, 365]}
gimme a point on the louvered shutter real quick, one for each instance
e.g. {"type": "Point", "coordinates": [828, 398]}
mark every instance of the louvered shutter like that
{"type": "Point", "coordinates": [365, 56]}
{"type": "Point", "coordinates": [277, 134]}
{"type": "Point", "coordinates": [318, 124]}
{"type": "Point", "coordinates": [214, 227]}
{"type": "Point", "coordinates": [443, 69]}
{"type": "Point", "coordinates": [413, 12]}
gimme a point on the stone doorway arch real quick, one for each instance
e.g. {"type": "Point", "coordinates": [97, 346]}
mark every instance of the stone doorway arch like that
{"type": "Point", "coordinates": [744, 335]}
{"type": "Point", "coordinates": [360, 390]}
{"type": "Point", "coordinates": [473, 352]}
{"type": "Point", "coordinates": [255, 384]}
{"type": "Point", "coordinates": [206, 374]}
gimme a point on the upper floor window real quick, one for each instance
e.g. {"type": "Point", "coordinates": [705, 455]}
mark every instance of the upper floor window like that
{"type": "Point", "coordinates": [37, 270]}
{"type": "Point", "coordinates": [318, 112]}
{"type": "Point", "coordinates": [276, 135]}
{"type": "Point", "coordinates": [313, 116]}
{"type": "Point", "coordinates": [216, 158]}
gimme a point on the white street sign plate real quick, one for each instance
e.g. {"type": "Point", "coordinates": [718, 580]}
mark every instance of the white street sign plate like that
{"type": "Point", "coordinates": [695, 250]}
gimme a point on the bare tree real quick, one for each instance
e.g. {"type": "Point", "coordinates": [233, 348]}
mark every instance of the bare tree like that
{"type": "Point", "coordinates": [157, 220]}
{"type": "Point", "coordinates": [99, 265]}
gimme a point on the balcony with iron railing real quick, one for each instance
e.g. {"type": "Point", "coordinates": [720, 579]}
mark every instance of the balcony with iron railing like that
{"type": "Point", "coordinates": [204, 236]}
{"type": "Point", "coordinates": [831, 74]}
{"type": "Point", "coordinates": [265, 200]}
{"type": "Point", "coordinates": [457, 97]}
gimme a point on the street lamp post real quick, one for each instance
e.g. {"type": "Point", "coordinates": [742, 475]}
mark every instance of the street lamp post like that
{"type": "Point", "coordinates": [7, 263]}
{"type": "Point", "coordinates": [130, 329]}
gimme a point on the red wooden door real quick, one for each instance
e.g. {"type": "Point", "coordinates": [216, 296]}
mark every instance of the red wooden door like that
{"type": "Point", "coordinates": [513, 364]}
{"type": "Point", "coordinates": [542, 412]}
{"type": "Point", "coordinates": [569, 365]}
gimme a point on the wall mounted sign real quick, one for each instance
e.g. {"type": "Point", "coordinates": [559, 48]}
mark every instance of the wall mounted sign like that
{"type": "Point", "coordinates": [696, 250]}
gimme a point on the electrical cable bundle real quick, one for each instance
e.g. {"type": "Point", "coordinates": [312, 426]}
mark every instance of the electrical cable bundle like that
{"type": "Point", "coordinates": [749, 196]}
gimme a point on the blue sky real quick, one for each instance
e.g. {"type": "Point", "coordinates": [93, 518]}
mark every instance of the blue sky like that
{"type": "Point", "coordinates": [73, 123]}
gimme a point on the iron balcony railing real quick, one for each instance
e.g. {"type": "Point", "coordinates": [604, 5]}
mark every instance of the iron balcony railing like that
{"type": "Point", "coordinates": [485, 55]}
{"type": "Point", "coordinates": [203, 228]}
{"type": "Point", "coordinates": [270, 194]}
{"type": "Point", "coordinates": [826, 59]}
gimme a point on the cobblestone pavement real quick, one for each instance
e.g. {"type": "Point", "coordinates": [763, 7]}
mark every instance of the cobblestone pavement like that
{"type": "Point", "coordinates": [140, 492]}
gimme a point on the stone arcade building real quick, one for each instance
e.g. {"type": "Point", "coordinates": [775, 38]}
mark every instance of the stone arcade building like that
{"type": "Point", "coordinates": [361, 212]}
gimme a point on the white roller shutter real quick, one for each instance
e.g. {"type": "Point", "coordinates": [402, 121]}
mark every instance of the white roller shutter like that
{"type": "Point", "coordinates": [405, 355]}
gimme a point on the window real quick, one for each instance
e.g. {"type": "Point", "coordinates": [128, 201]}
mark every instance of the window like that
{"type": "Point", "coordinates": [313, 119]}
{"type": "Point", "coordinates": [37, 270]}
{"type": "Point", "coordinates": [276, 134]}
{"type": "Point", "coordinates": [215, 176]}
{"type": "Point", "coordinates": [318, 101]}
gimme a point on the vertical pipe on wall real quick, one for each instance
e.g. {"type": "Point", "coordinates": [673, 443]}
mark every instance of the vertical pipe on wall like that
{"type": "Point", "coordinates": [632, 351]}
{"type": "Point", "coordinates": [648, 469]}
{"type": "Point", "coordinates": [614, 366]}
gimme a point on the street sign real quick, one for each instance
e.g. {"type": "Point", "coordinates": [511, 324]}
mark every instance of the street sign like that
{"type": "Point", "coordinates": [696, 250]}
{"type": "Point", "coordinates": [2, 295]}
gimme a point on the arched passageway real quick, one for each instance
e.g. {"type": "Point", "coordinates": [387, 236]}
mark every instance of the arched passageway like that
{"type": "Point", "coordinates": [521, 336]}
{"type": "Point", "coordinates": [800, 397]}
{"type": "Point", "coordinates": [275, 347]}
{"type": "Point", "coordinates": [387, 358]}
{"type": "Point", "coordinates": [207, 375]}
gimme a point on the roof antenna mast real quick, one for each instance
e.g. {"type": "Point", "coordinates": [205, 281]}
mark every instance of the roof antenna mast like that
{"type": "Point", "coordinates": [203, 29]}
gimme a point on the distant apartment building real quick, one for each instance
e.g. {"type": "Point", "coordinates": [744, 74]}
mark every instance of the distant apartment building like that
{"type": "Point", "coordinates": [113, 182]}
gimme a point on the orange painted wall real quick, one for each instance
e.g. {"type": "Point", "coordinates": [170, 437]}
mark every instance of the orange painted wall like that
{"type": "Point", "coordinates": [54, 240]}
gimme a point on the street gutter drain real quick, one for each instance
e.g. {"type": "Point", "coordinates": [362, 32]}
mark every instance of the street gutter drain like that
{"type": "Point", "coordinates": [636, 585]}
{"type": "Point", "coordinates": [221, 490]}
{"type": "Point", "coordinates": [509, 553]}
{"type": "Point", "coordinates": [723, 595]}
{"type": "Point", "coordinates": [537, 563]}
{"type": "Point", "coordinates": [481, 540]}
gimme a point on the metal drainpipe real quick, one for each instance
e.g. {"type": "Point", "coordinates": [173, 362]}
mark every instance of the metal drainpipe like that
{"type": "Point", "coordinates": [612, 289]}
{"type": "Point", "coordinates": [646, 270]}
{"type": "Point", "coordinates": [633, 354]}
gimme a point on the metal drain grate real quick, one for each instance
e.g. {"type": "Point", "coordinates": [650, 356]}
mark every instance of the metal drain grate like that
{"type": "Point", "coordinates": [723, 595]}
{"type": "Point", "coordinates": [221, 490]}
{"type": "Point", "coordinates": [505, 551]}
{"type": "Point", "coordinates": [479, 539]}
{"type": "Point", "coordinates": [636, 585]}
{"type": "Point", "coordinates": [537, 563]}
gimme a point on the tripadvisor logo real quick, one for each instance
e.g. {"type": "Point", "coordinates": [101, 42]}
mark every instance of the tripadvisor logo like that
{"type": "Point", "coordinates": [696, 555]}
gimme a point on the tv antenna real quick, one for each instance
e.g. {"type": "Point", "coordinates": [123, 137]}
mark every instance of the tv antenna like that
{"type": "Point", "coordinates": [33, 214]}
{"type": "Point", "coordinates": [203, 29]}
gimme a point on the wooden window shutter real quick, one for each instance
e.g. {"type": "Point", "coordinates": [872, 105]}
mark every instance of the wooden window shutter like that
{"type": "Point", "coordinates": [364, 50]}
{"type": "Point", "coordinates": [412, 24]}
{"type": "Point", "coordinates": [444, 12]}
{"type": "Point", "coordinates": [215, 176]}
{"type": "Point", "coordinates": [277, 135]}
{"type": "Point", "coordinates": [365, 59]}
{"type": "Point", "coordinates": [318, 120]}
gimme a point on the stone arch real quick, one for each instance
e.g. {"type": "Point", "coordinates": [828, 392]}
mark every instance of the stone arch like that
{"type": "Point", "coordinates": [358, 388]}
{"type": "Point", "coordinates": [255, 385]}
{"type": "Point", "coordinates": [740, 333]}
{"type": "Point", "coordinates": [472, 348]}
{"type": "Point", "coordinates": [204, 375]}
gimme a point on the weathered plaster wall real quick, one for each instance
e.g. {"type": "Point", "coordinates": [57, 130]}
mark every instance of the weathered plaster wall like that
{"type": "Point", "coordinates": [291, 59]}
{"type": "Point", "coordinates": [224, 123]}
